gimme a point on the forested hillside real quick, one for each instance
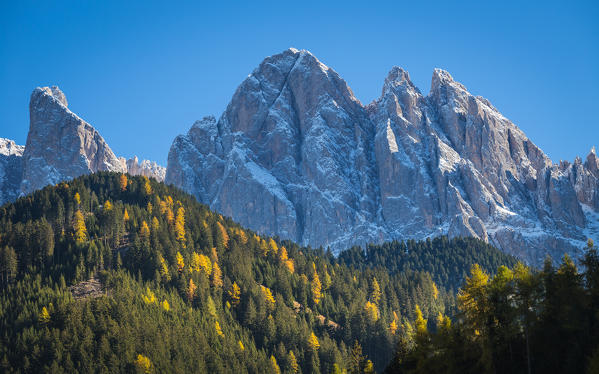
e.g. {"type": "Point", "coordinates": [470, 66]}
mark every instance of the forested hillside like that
{"type": "Point", "coordinates": [113, 273]}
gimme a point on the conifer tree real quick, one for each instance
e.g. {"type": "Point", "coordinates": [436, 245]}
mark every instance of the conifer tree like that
{"type": "Point", "coordinates": [79, 227]}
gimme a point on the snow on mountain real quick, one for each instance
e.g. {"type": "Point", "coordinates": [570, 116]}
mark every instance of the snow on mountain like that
{"type": "Point", "coordinates": [60, 146]}
{"type": "Point", "coordinates": [297, 155]}
{"type": "Point", "coordinates": [11, 169]}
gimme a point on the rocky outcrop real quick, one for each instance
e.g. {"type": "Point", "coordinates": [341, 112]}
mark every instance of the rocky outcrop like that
{"type": "Point", "coordinates": [146, 168]}
{"type": "Point", "coordinates": [60, 145]}
{"type": "Point", "coordinates": [297, 155]}
{"type": "Point", "coordinates": [11, 170]}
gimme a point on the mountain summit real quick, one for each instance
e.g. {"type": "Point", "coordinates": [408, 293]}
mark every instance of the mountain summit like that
{"type": "Point", "coordinates": [60, 146]}
{"type": "Point", "coordinates": [297, 155]}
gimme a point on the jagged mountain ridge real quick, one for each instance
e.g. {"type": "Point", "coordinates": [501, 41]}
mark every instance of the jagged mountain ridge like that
{"type": "Point", "coordinates": [60, 146]}
{"type": "Point", "coordinates": [297, 155]}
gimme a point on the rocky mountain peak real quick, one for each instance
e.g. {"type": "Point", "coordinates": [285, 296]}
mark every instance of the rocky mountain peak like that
{"type": "Point", "coordinates": [592, 162]}
{"type": "Point", "coordinates": [8, 147]}
{"type": "Point", "coordinates": [297, 155]}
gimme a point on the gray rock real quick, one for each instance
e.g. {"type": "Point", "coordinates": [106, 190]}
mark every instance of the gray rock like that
{"type": "Point", "coordinates": [297, 155]}
{"type": "Point", "coordinates": [11, 170]}
{"type": "Point", "coordinates": [60, 145]}
{"type": "Point", "coordinates": [146, 168]}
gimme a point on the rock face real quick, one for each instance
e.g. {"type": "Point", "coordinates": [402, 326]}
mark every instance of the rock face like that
{"type": "Point", "coordinates": [146, 168]}
{"type": "Point", "coordinates": [60, 145]}
{"type": "Point", "coordinates": [11, 170]}
{"type": "Point", "coordinates": [297, 155]}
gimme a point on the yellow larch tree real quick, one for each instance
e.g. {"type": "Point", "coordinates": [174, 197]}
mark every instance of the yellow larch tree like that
{"type": "Point", "coordinates": [164, 273]}
{"type": "Point", "coordinates": [107, 206]}
{"type": "Point", "coordinates": [126, 215]}
{"type": "Point", "coordinates": [147, 186]}
{"type": "Point", "coordinates": [123, 182]}
{"type": "Point", "coordinates": [393, 327]}
{"type": "Point", "coordinates": [144, 230]}
{"type": "Point", "coordinates": [143, 363]}
{"type": "Point", "coordinates": [316, 286]}
{"type": "Point", "coordinates": [165, 305]}
{"type": "Point", "coordinates": [191, 290]}
{"type": "Point", "coordinates": [372, 311]}
{"type": "Point", "coordinates": [79, 227]}
{"type": "Point", "coordinates": [420, 322]}
{"type": "Point", "coordinates": [44, 316]}
{"type": "Point", "coordinates": [149, 207]}
{"type": "Point", "coordinates": [155, 224]}
{"type": "Point", "coordinates": [375, 295]}
{"type": "Point", "coordinates": [268, 296]}
{"type": "Point", "coordinates": [149, 297]}
{"type": "Point", "coordinates": [219, 331]}
{"type": "Point", "coordinates": [180, 262]}
{"type": "Point", "coordinates": [77, 198]}
{"type": "Point", "coordinates": [272, 246]}
{"type": "Point", "coordinates": [223, 233]}
{"type": "Point", "coordinates": [313, 342]}
{"type": "Point", "coordinates": [273, 364]}
{"type": "Point", "coordinates": [180, 226]}
{"type": "Point", "coordinates": [217, 276]}
{"type": "Point", "coordinates": [235, 294]}
{"type": "Point", "coordinates": [293, 362]}
{"type": "Point", "coordinates": [283, 256]}
{"type": "Point", "coordinates": [194, 264]}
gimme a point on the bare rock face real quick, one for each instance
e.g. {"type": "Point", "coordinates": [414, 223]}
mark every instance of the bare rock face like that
{"type": "Point", "coordinates": [297, 155]}
{"type": "Point", "coordinates": [146, 168]}
{"type": "Point", "coordinates": [60, 145]}
{"type": "Point", "coordinates": [11, 170]}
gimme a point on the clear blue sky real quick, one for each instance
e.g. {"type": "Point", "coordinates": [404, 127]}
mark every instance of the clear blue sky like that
{"type": "Point", "coordinates": [142, 72]}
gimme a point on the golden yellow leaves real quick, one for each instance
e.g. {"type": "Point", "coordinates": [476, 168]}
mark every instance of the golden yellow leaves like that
{"type": "Point", "coordinates": [313, 342]}
{"type": "Point", "coordinates": [123, 182]}
{"type": "Point", "coordinates": [143, 363]}
{"type": "Point", "coordinates": [268, 296]}
{"type": "Point", "coordinates": [79, 227]}
{"type": "Point", "coordinates": [372, 311]}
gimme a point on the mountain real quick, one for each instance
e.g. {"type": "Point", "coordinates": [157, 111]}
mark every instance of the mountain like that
{"type": "Point", "coordinates": [60, 146]}
{"type": "Point", "coordinates": [297, 155]}
{"type": "Point", "coordinates": [108, 272]}
{"type": "Point", "coordinates": [11, 169]}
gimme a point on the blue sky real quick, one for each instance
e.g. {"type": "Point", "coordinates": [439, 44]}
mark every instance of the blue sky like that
{"type": "Point", "coordinates": [143, 72]}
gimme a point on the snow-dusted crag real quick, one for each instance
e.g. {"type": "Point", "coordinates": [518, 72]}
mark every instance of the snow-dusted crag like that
{"type": "Point", "coordinates": [60, 146]}
{"type": "Point", "coordinates": [146, 168]}
{"type": "Point", "coordinates": [297, 155]}
{"type": "Point", "coordinates": [11, 169]}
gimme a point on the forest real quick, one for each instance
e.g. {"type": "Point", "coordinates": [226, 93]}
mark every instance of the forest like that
{"type": "Point", "coordinates": [113, 273]}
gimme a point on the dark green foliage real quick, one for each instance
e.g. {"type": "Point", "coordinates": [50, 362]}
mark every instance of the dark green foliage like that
{"type": "Point", "coordinates": [447, 260]}
{"type": "Point", "coordinates": [45, 249]}
{"type": "Point", "coordinates": [519, 321]}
